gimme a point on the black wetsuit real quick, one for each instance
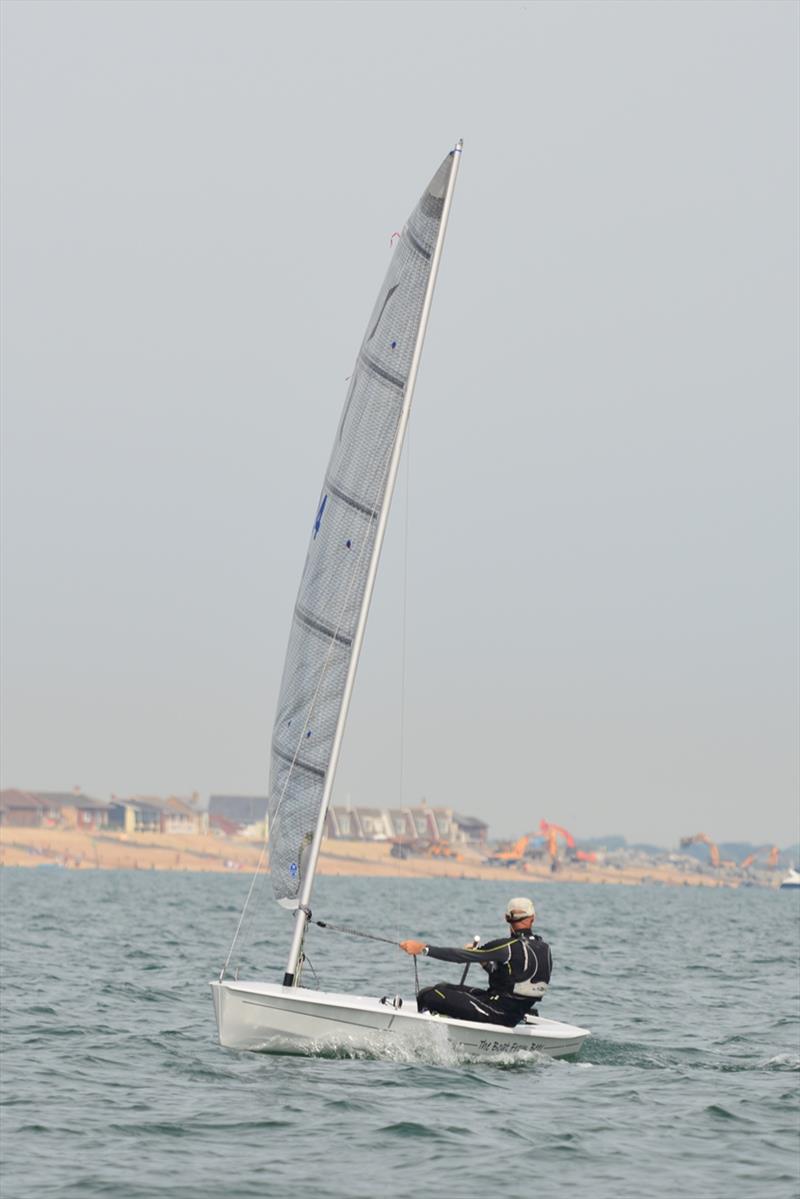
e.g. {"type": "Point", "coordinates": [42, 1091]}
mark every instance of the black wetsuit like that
{"type": "Point", "coordinates": [518, 965]}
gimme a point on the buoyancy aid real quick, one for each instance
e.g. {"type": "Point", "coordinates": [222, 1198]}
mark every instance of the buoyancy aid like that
{"type": "Point", "coordinates": [526, 972]}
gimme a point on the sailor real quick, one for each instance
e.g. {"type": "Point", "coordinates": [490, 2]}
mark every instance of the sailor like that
{"type": "Point", "coordinates": [518, 966]}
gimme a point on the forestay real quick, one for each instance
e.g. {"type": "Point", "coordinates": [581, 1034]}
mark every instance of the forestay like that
{"type": "Point", "coordinates": [343, 543]}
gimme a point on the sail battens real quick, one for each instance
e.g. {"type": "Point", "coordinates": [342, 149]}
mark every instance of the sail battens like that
{"type": "Point", "coordinates": [431, 206]}
{"type": "Point", "coordinates": [381, 371]}
{"type": "Point", "coordinates": [416, 243]}
{"type": "Point", "coordinates": [340, 563]}
{"type": "Point", "coordinates": [372, 511]}
{"type": "Point", "coordinates": [319, 626]}
{"type": "Point", "coordinates": [297, 763]}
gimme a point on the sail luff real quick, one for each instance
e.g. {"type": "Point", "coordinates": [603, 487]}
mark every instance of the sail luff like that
{"type": "Point", "coordinates": [301, 917]}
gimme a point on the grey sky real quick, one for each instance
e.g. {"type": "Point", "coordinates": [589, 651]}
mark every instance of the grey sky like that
{"type": "Point", "coordinates": [603, 513]}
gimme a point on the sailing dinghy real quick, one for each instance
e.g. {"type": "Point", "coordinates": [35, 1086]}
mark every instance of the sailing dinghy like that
{"type": "Point", "coordinates": [324, 645]}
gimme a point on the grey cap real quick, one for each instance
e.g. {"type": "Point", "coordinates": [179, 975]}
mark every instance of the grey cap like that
{"type": "Point", "coordinates": [520, 908]}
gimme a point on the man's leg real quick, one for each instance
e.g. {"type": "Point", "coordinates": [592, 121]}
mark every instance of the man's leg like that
{"type": "Point", "coordinates": [465, 1003]}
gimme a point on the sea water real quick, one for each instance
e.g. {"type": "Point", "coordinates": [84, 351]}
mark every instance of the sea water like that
{"type": "Point", "coordinates": [113, 1082]}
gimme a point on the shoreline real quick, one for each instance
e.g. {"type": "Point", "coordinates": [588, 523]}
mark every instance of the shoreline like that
{"type": "Point", "coordinates": [76, 850]}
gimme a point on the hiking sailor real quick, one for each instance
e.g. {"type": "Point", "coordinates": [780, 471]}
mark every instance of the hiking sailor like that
{"type": "Point", "coordinates": [518, 966]}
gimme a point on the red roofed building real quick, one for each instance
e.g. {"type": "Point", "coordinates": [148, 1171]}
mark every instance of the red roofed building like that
{"type": "Point", "coordinates": [20, 809]}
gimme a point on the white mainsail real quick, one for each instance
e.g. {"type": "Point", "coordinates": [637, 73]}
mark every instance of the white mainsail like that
{"type": "Point", "coordinates": [336, 586]}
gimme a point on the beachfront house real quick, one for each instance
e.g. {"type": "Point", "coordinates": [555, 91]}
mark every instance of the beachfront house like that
{"type": "Point", "coordinates": [473, 831]}
{"type": "Point", "coordinates": [245, 815]}
{"type": "Point", "coordinates": [53, 809]}
{"type": "Point", "coordinates": [405, 824]}
{"type": "Point", "coordinates": [20, 809]}
{"type": "Point", "coordinates": [343, 824]}
{"type": "Point", "coordinates": [135, 815]}
{"type": "Point", "coordinates": [172, 816]}
{"type": "Point", "coordinates": [72, 809]}
{"type": "Point", "coordinates": [402, 821]}
{"type": "Point", "coordinates": [424, 820]}
{"type": "Point", "coordinates": [181, 817]}
{"type": "Point", "coordinates": [238, 815]}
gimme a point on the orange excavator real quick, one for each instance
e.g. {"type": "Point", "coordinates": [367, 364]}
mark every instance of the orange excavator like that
{"type": "Point", "coordinates": [702, 839]}
{"type": "Point", "coordinates": [512, 856]}
{"type": "Point", "coordinates": [772, 858]}
{"type": "Point", "coordinates": [552, 832]}
{"type": "Point", "coordinates": [404, 847]}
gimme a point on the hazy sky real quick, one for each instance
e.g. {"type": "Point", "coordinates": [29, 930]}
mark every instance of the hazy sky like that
{"type": "Point", "coordinates": [602, 595]}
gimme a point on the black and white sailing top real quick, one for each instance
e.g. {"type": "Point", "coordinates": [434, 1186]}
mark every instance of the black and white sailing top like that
{"type": "Point", "coordinates": [518, 964]}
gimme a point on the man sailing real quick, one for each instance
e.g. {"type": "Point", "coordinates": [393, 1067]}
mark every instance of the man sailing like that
{"type": "Point", "coordinates": [518, 966]}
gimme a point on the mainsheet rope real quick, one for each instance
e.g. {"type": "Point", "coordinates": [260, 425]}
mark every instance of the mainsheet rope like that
{"type": "Point", "coordinates": [358, 932]}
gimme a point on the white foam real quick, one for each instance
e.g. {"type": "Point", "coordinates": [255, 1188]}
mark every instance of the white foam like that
{"type": "Point", "coordinates": [783, 1061]}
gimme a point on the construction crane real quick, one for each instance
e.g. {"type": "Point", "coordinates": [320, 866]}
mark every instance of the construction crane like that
{"type": "Point", "coordinates": [552, 832]}
{"type": "Point", "coordinates": [702, 839]}
{"type": "Point", "coordinates": [772, 857]}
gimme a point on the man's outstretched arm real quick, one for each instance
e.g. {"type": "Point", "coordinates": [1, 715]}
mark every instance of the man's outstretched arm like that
{"type": "Point", "coordinates": [493, 952]}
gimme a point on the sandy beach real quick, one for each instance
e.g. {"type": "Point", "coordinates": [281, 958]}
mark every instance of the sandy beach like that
{"type": "Point", "coordinates": [74, 850]}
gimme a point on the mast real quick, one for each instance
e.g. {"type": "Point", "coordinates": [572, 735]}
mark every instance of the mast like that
{"type": "Point", "coordinates": [301, 917]}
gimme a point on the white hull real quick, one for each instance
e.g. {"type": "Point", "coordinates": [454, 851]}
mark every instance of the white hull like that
{"type": "Point", "coordinates": [269, 1018]}
{"type": "Point", "coordinates": [791, 880]}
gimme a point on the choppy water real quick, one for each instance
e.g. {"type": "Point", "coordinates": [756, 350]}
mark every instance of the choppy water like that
{"type": "Point", "coordinates": [112, 1081]}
